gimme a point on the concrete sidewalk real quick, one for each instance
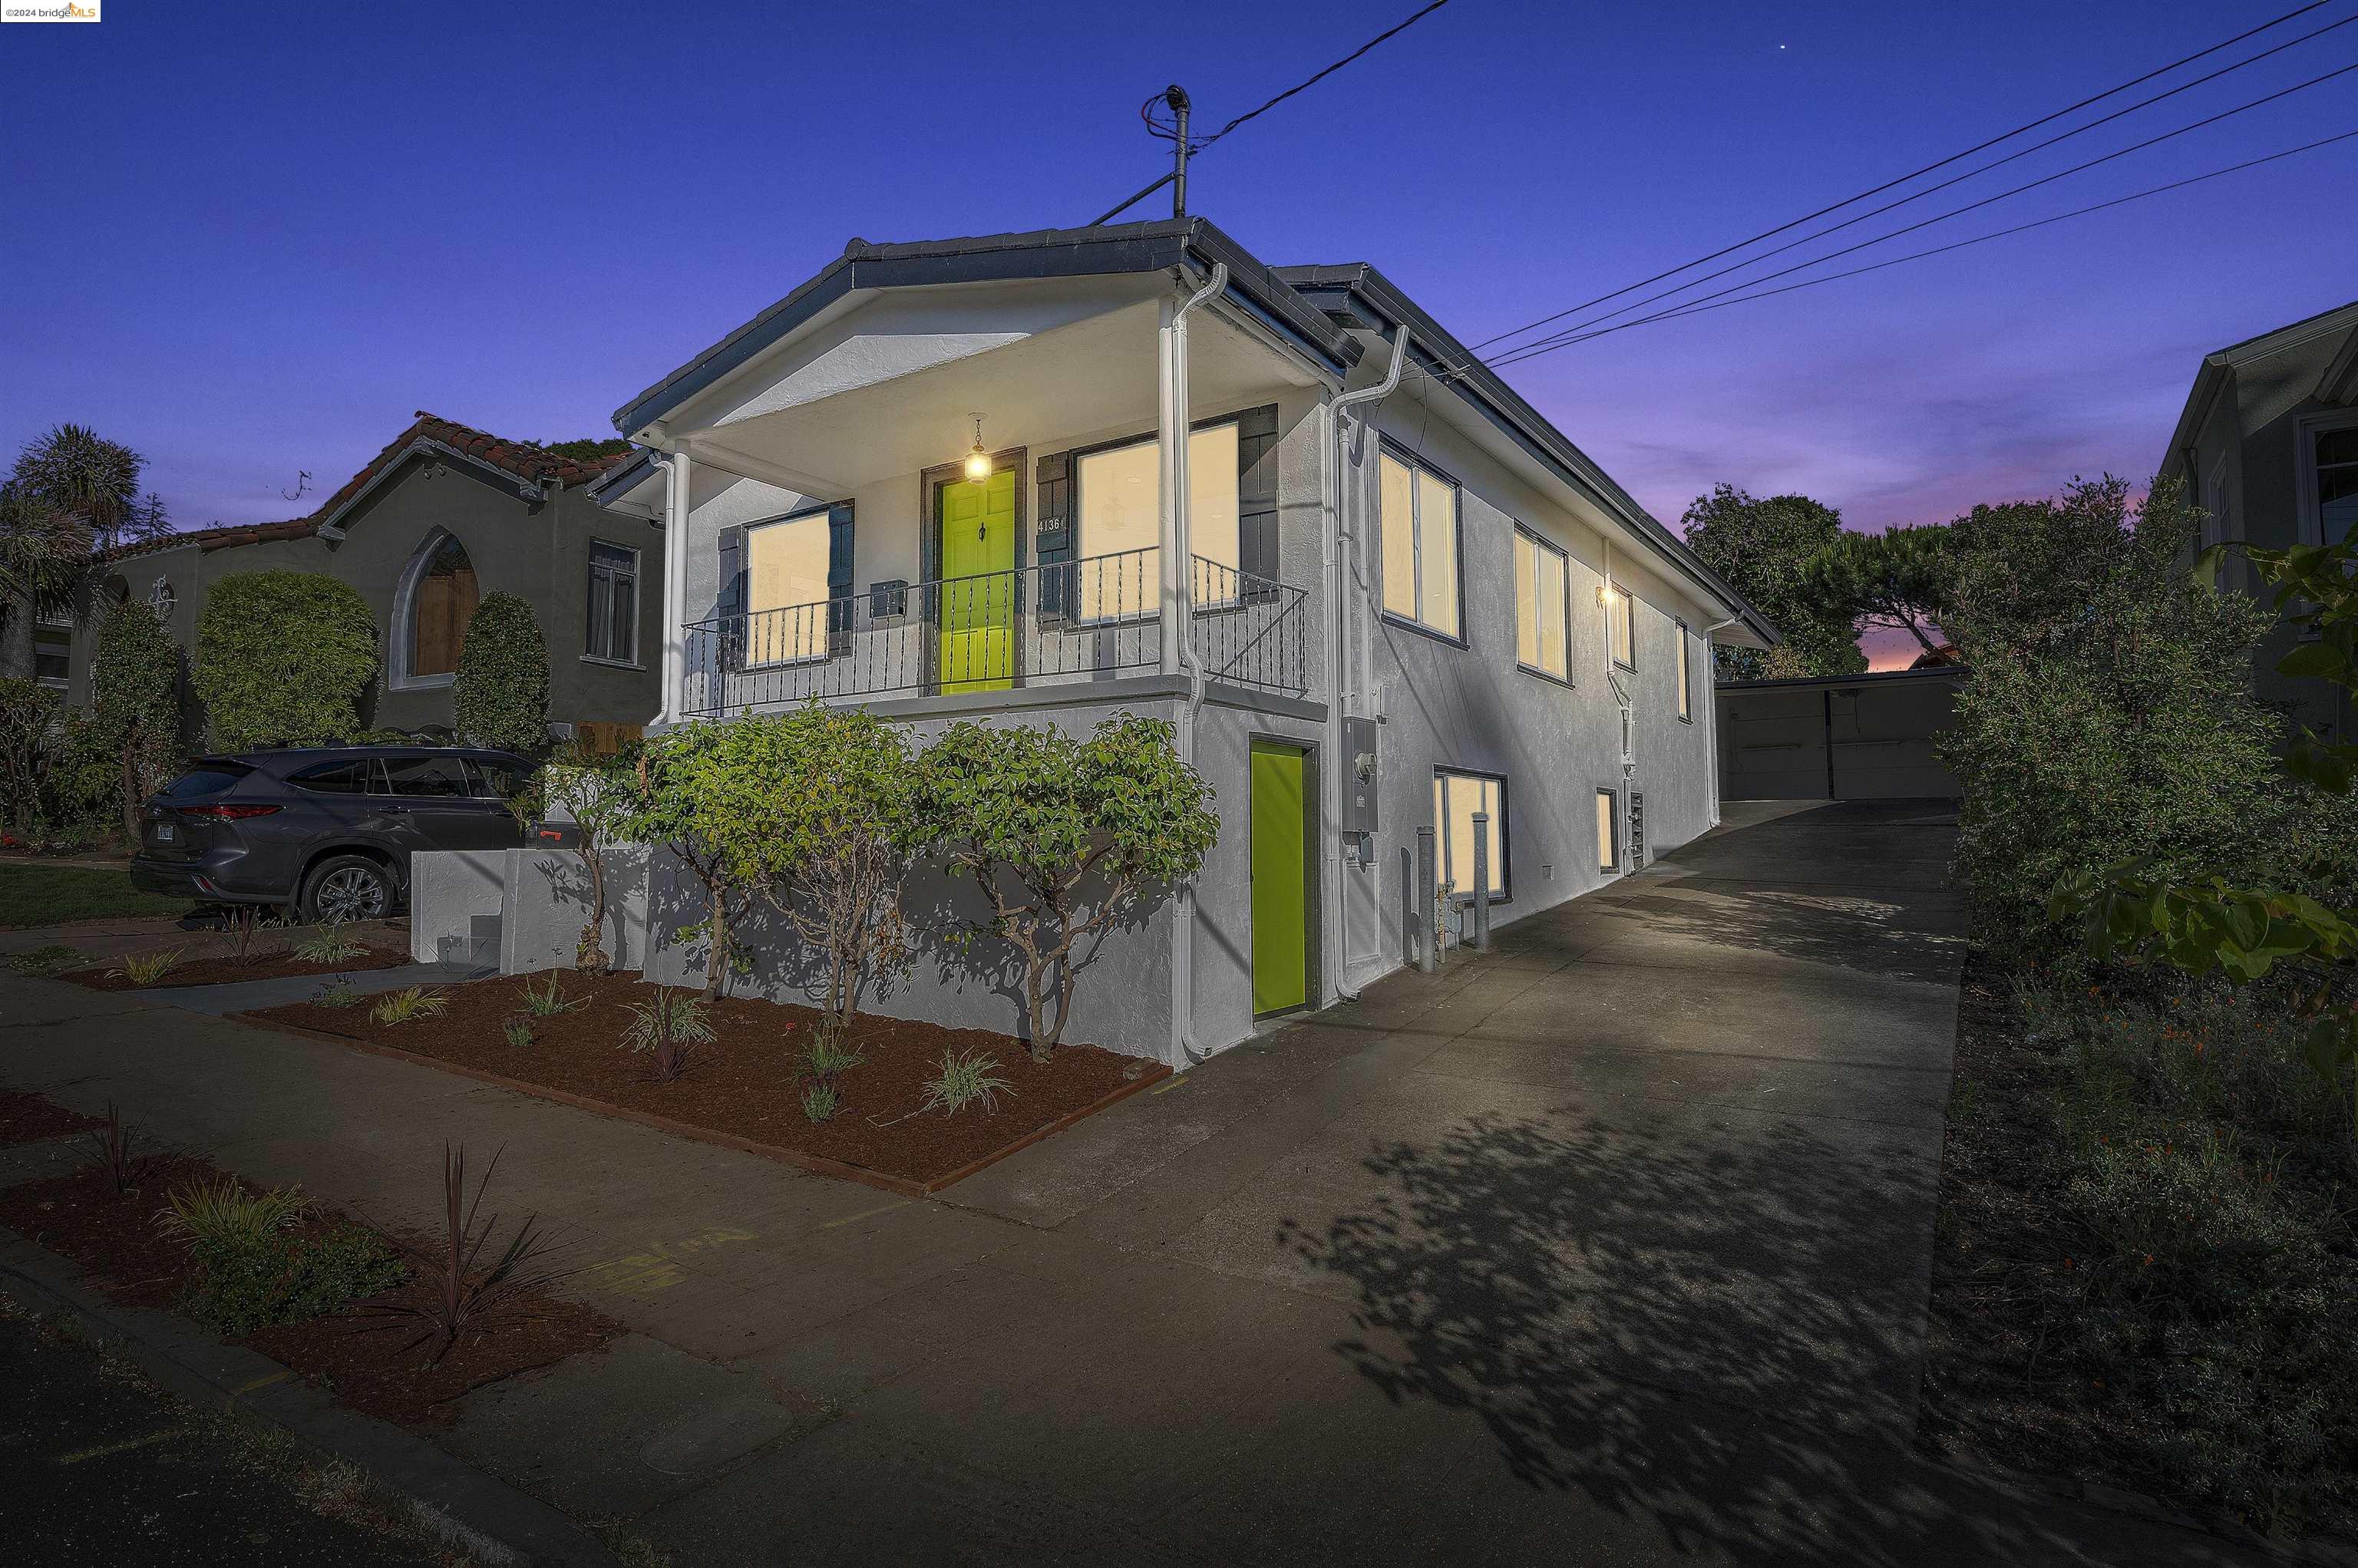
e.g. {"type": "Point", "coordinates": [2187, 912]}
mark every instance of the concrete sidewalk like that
{"type": "Point", "coordinates": [1610, 1246]}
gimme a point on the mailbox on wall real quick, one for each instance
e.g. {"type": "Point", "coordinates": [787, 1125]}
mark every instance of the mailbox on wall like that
{"type": "Point", "coordinates": [1359, 776]}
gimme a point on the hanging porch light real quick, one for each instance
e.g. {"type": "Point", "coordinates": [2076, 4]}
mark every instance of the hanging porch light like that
{"type": "Point", "coordinates": [978, 461]}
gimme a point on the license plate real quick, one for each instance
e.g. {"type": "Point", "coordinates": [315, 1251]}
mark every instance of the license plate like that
{"type": "Point", "coordinates": [165, 833]}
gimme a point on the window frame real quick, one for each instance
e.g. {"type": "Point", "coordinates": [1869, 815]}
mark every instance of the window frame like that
{"type": "Point", "coordinates": [591, 573]}
{"type": "Point", "coordinates": [1076, 552]}
{"type": "Point", "coordinates": [1616, 594]}
{"type": "Point", "coordinates": [1617, 833]}
{"type": "Point", "coordinates": [1524, 533]}
{"type": "Point", "coordinates": [1386, 447]}
{"type": "Point", "coordinates": [1504, 869]}
{"type": "Point", "coordinates": [1685, 669]}
{"type": "Point", "coordinates": [2306, 431]}
{"type": "Point", "coordinates": [824, 510]}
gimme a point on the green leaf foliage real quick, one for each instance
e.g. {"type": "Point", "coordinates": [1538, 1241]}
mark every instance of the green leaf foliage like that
{"type": "Point", "coordinates": [134, 718]}
{"type": "Point", "coordinates": [283, 659]}
{"type": "Point", "coordinates": [29, 743]}
{"type": "Point", "coordinates": [1762, 548]}
{"type": "Point", "coordinates": [501, 693]}
{"type": "Point", "coordinates": [1065, 838]}
{"type": "Point", "coordinates": [1899, 580]}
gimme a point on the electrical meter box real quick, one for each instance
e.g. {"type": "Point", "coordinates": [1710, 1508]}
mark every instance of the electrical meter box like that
{"type": "Point", "coordinates": [1358, 775]}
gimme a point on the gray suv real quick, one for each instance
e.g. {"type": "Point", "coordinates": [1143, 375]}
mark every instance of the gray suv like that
{"type": "Point", "coordinates": [326, 831]}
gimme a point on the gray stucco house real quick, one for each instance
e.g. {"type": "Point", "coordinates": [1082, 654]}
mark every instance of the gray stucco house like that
{"type": "Point", "coordinates": [1045, 478]}
{"type": "Point", "coordinates": [2268, 445]}
{"type": "Point", "coordinates": [441, 516]}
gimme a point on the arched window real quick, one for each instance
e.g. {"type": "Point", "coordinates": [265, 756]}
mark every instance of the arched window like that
{"type": "Point", "coordinates": [437, 599]}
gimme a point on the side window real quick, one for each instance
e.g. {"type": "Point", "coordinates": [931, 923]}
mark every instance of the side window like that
{"type": "Point", "coordinates": [492, 781]}
{"type": "Point", "coordinates": [1620, 636]}
{"type": "Point", "coordinates": [1419, 524]}
{"type": "Point", "coordinates": [1456, 796]}
{"type": "Point", "coordinates": [1608, 830]}
{"type": "Point", "coordinates": [1542, 606]}
{"type": "Point", "coordinates": [612, 627]}
{"type": "Point", "coordinates": [440, 778]}
{"type": "Point", "coordinates": [334, 778]}
{"type": "Point", "coordinates": [2333, 472]}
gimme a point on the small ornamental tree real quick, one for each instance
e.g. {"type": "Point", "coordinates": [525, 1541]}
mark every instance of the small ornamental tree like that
{"type": "Point", "coordinates": [283, 659]}
{"type": "Point", "coordinates": [29, 742]}
{"type": "Point", "coordinates": [1066, 839]}
{"type": "Point", "coordinates": [842, 802]}
{"type": "Point", "coordinates": [599, 793]}
{"type": "Point", "coordinates": [134, 705]}
{"type": "Point", "coordinates": [695, 795]}
{"type": "Point", "coordinates": [501, 693]}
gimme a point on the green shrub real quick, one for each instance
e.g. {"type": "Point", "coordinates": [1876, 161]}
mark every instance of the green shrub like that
{"type": "Point", "coordinates": [31, 744]}
{"type": "Point", "coordinates": [821, 1101]}
{"type": "Point", "coordinates": [665, 1025]}
{"type": "Point", "coordinates": [146, 968]}
{"type": "Point", "coordinates": [962, 1081]}
{"type": "Point", "coordinates": [2109, 714]}
{"type": "Point", "coordinates": [283, 659]}
{"type": "Point", "coordinates": [251, 1272]}
{"type": "Point", "coordinates": [501, 693]}
{"type": "Point", "coordinates": [548, 1001]}
{"type": "Point", "coordinates": [408, 1006]}
{"type": "Point", "coordinates": [134, 722]}
{"type": "Point", "coordinates": [328, 946]}
{"type": "Point", "coordinates": [517, 1033]}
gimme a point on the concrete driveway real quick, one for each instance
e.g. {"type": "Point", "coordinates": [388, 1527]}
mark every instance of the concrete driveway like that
{"type": "Point", "coordinates": [1608, 1246]}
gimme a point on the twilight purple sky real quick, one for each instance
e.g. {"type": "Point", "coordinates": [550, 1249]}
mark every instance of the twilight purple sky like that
{"type": "Point", "coordinates": [249, 239]}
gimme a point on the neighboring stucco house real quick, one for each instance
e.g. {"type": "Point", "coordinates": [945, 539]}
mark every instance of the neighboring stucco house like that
{"type": "Point", "coordinates": [441, 516]}
{"type": "Point", "coordinates": [1407, 598]}
{"type": "Point", "coordinates": [2268, 445]}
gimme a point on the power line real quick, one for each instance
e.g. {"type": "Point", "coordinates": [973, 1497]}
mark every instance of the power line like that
{"type": "Point", "coordinates": [1960, 178]}
{"type": "Point", "coordinates": [1928, 169]}
{"type": "Point", "coordinates": [1197, 143]}
{"type": "Point", "coordinates": [1692, 307]}
{"type": "Point", "coordinates": [1508, 357]}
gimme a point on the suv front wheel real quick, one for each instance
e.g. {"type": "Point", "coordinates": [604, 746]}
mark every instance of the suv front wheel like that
{"type": "Point", "coordinates": [347, 887]}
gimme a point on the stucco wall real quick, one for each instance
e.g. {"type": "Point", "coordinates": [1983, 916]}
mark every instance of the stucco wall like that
{"type": "Point", "coordinates": [536, 550]}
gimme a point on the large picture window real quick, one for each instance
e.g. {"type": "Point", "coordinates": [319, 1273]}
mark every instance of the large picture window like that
{"type": "Point", "coordinates": [612, 631]}
{"type": "Point", "coordinates": [1542, 606]}
{"type": "Point", "coordinates": [1119, 561]}
{"type": "Point", "coordinates": [442, 599]}
{"type": "Point", "coordinates": [1456, 796]}
{"type": "Point", "coordinates": [1419, 524]}
{"type": "Point", "coordinates": [786, 589]}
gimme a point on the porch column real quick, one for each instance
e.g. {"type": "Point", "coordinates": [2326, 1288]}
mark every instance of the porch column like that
{"type": "Point", "coordinates": [675, 589]}
{"type": "Point", "coordinates": [1171, 437]}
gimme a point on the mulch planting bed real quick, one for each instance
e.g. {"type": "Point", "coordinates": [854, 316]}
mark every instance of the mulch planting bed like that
{"type": "Point", "coordinates": [220, 971]}
{"type": "Point", "coordinates": [27, 1119]}
{"type": "Point", "coordinates": [356, 1353]}
{"type": "Point", "coordinates": [747, 1084]}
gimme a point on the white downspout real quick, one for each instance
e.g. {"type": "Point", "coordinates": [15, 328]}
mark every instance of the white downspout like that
{"type": "Point", "coordinates": [1711, 711]}
{"type": "Point", "coordinates": [1178, 543]}
{"type": "Point", "coordinates": [1330, 497]}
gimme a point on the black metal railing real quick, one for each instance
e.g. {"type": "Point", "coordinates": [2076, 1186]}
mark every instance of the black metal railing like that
{"type": "Point", "coordinates": [1041, 625]}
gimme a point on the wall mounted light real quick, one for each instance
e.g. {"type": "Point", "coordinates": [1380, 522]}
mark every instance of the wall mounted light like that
{"type": "Point", "coordinates": [978, 461]}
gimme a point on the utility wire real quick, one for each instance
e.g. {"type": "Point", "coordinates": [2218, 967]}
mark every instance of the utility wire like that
{"type": "Point", "coordinates": [1570, 333]}
{"type": "Point", "coordinates": [1197, 143]}
{"type": "Point", "coordinates": [1928, 169]}
{"type": "Point", "coordinates": [1693, 307]}
{"type": "Point", "coordinates": [1960, 178]}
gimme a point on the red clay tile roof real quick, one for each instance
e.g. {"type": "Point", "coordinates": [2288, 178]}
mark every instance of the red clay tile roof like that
{"type": "Point", "coordinates": [526, 461]}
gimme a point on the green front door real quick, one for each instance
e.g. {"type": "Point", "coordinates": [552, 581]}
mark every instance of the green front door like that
{"type": "Point", "coordinates": [1281, 880]}
{"type": "Point", "coordinates": [977, 518]}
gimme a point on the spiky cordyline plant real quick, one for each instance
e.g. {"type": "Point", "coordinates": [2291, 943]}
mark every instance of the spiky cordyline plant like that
{"type": "Point", "coordinates": [460, 1293]}
{"type": "Point", "coordinates": [665, 1025]}
{"type": "Point", "coordinates": [110, 1150]}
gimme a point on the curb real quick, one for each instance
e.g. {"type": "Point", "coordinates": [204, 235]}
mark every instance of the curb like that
{"type": "Point", "coordinates": [496, 1522]}
{"type": "Point", "coordinates": [816, 1164]}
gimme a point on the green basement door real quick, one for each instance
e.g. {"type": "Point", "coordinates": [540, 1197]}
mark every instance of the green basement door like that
{"type": "Point", "coordinates": [977, 591]}
{"type": "Point", "coordinates": [1281, 879]}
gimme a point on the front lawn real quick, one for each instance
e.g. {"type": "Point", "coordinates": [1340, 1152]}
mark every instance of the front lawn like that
{"type": "Point", "coordinates": [49, 896]}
